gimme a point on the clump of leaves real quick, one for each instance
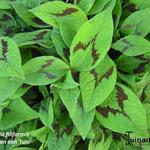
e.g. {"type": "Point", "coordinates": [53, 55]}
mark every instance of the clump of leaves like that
{"type": "Point", "coordinates": [75, 74]}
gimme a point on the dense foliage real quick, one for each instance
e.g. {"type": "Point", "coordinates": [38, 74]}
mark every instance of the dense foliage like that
{"type": "Point", "coordinates": [75, 75]}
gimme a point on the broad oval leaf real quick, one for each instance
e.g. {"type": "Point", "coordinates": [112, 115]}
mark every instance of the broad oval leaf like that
{"type": "Point", "coordinates": [92, 42]}
{"type": "Point", "coordinates": [132, 45]}
{"type": "Point", "coordinates": [44, 70]}
{"type": "Point", "coordinates": [67, 17]}
{"type": "Point", "coordinates": [10, 59]}
{"type": "Point", "coordinates": [137, 23]}
{"type": "Point", "coordinates": [123, 111]}
{"type": "Point", "coordinates": [134, 65]}
{"type": "Point", "coordinates": [51, 12]}
{"type": "Point", "coordinates": [41, 37]}
{"type": "Point", "coordinates": [97, 84]}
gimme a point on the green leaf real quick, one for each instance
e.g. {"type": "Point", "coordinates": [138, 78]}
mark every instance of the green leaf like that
{"type": "Point", "coordinates": [44, 70]}
{"type": "Point", "coordinates": [10, 59]}
{"type": "Point", "coordinates": [128, 78]}
{"type": "Point", "coordinates": [64, 142]}
{"type": "Point", "coordinates": [52, 12]}
{"type": "Point", "coordinates": [132, 45]}
{"type": "Point", "coordinates": [8, 87]}
{"type": "Point", "coordinates": [137, 23]}
{"type": "Point", "coordinates": [82, 120]}
{"type": "Point", "coordinates": [20, 110]}
{"type": "Point", "coordinates": [23, 12]}
{"type": "Point", "coordinates": [20, 91]}
{"type": "Point", "coordinates": [134, 65]}
{"type": "Point", "coordinates": [123, 111]}
{"type": "Point", "coordinates": [41, 134]}
{"type": "Point", "coordinates": [92, 42]}
{"type": "Point", "coordinates": [97, 84]}
{"type": "Point", "coordinates": [41, 37]}
{"type": "Point", "coordinates": [67, 17]}
{"type": "Point", "coordinates": [46, 112]}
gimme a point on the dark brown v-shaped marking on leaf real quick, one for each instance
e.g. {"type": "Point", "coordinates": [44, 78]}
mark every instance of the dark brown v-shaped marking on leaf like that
{"type": "Point", "coordinates": [95, 55]}
{"type": "Point", "coordinates": [143, 95]}
{"type": "Point", "coordinates": [66, 52]}
{"type": "Point", "coordinates": [80, 45]}
{"type": "Point", "coordinates": [38, 21]}
{"type": "Point", "coordinates": [48, 63]}
{"type": "Point", "coordinates": [40, 35]}
{"type": "Point", "coordinates": [128, 45]}
{"type": "Point", "coordinates": [67, 11]}
{"type": "Point", "coordinates": [140, 68]}
{"type": "Point", "coordinates": [104, 111]}
{"type": "Point", "coordinates": [108, 73]}
{"type": "Point", "coordinates": [141, 57]}
{"type": "Point", "coordinates": [67, 130]}
{"type": "Point", "coordinates": [4, 49]}
{"type": "Point", "coordinates": [48, 75]}
{"type": "Point", "coordinates": [94, 73]}
{"type": "Point", "coordinates": [121, 96]}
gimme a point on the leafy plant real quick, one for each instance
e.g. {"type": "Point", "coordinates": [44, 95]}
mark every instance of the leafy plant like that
{"type": "Point", "coordinates": [74, 74]}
